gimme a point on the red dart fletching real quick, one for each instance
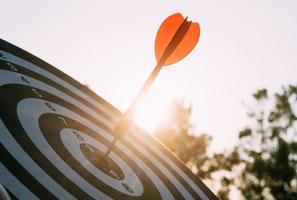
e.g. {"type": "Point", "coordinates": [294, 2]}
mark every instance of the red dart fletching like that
{"type": "Point", "coordinates": [175, 39]}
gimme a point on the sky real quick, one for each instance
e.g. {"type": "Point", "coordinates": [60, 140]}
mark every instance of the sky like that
{"type": "Point", "coordinates": [109, 45]}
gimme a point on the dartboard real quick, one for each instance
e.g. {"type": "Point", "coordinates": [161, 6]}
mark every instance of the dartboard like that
{"type": "Point", "coordinates": [54, 131]}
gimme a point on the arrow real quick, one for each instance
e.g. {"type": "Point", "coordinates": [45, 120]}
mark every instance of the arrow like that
{"type": "Point", "coordinates": [175, 39]}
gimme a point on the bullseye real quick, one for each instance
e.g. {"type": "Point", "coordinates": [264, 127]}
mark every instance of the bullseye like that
{"type": "Point", "coordinates": [120, 173]}
{"type": "Point", "coordinates": [108, 166]}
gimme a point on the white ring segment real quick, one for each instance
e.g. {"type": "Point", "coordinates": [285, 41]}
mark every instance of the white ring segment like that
{"type": "Point", "coordinates": [17, 188]}
{"type": "Point", "coordinates": [19, 61]}
{"type": "Point", "coordinates": [72, 143]}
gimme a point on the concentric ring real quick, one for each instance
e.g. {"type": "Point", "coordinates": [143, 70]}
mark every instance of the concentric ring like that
{"type": "Point", "coordinates": [50, 127]}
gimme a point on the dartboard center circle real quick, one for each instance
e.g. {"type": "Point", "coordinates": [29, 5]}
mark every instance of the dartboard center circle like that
{"type": "Point", "coordinates": [105, 164]}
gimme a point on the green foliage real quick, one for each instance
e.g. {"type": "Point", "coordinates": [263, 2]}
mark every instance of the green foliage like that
{"type": "Point", "coordinates": [266, 166]}
{"type": "Point", "coordinates": [244, 133]}
{"type": "Point", "coordinates": [263, 165]}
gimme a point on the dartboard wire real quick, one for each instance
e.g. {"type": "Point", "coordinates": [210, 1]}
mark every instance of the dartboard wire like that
{"type": "Point", "coordinates": [28, 78]}
{"type": "Point", "coordinates": [46, 66]}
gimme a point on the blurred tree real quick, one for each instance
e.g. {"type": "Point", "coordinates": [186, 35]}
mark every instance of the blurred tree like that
{"type": "Point", "coordinates": [177, 133]}
{"type": "Point", "coordinates": [263, 165]}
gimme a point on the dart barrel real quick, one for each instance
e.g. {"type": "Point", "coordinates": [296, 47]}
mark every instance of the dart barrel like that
{"type": "Point", "coordinates": [54, 132]}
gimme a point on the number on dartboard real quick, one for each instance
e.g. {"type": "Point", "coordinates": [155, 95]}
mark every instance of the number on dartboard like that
{"type": "Point", "coordinates": [50, 106]}
{"type": "Point", "coordinates": [12, 67]}
{"type": "Point", "coordinates": [127, 187]}
{"type": "Point", "coordinates": [35, 91]}
{"type": "Point", "coordinates": [78, 136]}
{"type": "Point", "coordinates": [25, 80]}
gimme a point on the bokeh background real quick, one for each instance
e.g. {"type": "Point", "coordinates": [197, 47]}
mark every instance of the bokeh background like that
{"type": "Point", "coordinates": [109, 46]}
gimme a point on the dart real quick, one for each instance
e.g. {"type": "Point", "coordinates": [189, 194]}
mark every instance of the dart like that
{"type": "Point", "coordinates": [53, 141]}
{"type": "Point", "coordinates": [175, 39]}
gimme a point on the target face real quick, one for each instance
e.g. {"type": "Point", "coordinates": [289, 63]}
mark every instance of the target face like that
{"type": "Point", "coordinates": [54, 131]}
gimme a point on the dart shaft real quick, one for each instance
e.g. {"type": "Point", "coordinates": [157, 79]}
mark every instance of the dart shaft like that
{"type": "Point", "coordinates": [146, 86]}
{"type": "Point", "coordinates": [110, 147]}
{"type": "Point", "coordinates": [124, 122]}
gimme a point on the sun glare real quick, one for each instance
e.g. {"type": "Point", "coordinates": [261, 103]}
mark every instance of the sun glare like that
{"type": "Point", "coordinates": [153, 109]}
